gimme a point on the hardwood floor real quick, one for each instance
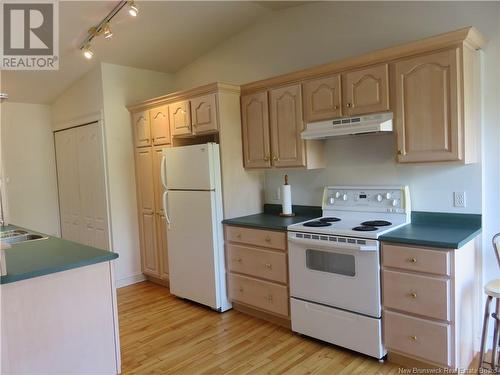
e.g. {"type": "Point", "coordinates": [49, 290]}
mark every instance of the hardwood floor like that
{"type": "Point", "coordinates": [161, 334]}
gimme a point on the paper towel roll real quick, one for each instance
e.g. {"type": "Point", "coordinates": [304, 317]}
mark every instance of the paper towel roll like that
{"type": "Point", "coordinates": [286, 199]}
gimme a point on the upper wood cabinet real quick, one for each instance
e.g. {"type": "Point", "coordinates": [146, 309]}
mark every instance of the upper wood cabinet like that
{"type": "Point", "coordinates": [255, 125]}
{"type": "Point", "coordinates": [322, 98]}
{"type": "Point", "coordinates": [366, 90]}
{"type": "Point", "coordinates": [285, 107]}
{"type": "Point", "coordinates": [140, 121]}
{"type": "Point", "coordinates": [180, 118]}
{"type": "Point", "coordinates": [204, 114]}
{"type": "Point", "coordinates": [160, 125]}
{"type": "Point", "coordinates": [427, 101]}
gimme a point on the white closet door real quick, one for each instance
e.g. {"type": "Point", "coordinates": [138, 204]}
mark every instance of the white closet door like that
{"type": "Point", "coordinates": [82, 189]}
{"type": "Point", "coordinates": [93, 230]}
{"type": "Point", "coordinates": [69, 188]}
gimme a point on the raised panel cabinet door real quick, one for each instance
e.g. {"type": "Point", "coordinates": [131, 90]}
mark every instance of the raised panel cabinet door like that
{"type": "Point", "coordinates": [149, 254]}
{"type": "Point", "coordinates": [322, 98]}
{"type": "Point", "coordinates": [162, 246]}
{"type": "Point", "coordinates": [160, 125]}
{"type": "Point", "coordinates": [180, 118]}
{"type": "Point", "coordinates": [142, 129]}
{"type": "Point", "coordinates": [427, 113]}
{"type": "Point", "coordinates": [145, 180]}
{"type": "Point", "coordinates": [158, 186]}
{"type": "Point", "coordinates": [255, 126]}
{"type": "Point", "coordinates": [204, 114]}
{"type": "Point", "coordinates": [366, 90]}
{"type": "Point", "coordinates": [288, 148]}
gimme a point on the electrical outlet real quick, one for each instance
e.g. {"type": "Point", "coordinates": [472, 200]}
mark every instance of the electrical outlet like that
{"type": "Point", "coordinates": [277, 194]}
{"type": "Point", "coordinates": [459, 198]}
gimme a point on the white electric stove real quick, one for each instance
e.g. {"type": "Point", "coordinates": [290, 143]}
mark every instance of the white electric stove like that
{"type": "Point", "coordinates": [335, 265]}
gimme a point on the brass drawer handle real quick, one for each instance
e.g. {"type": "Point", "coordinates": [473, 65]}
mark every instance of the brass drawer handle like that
{"type": "Point", "coordinates": [335, 107]}
{"type": "Point", "coordinates": [348, 105]}
{"type": "Point", "coordinates": [412, 260]}
{"type": "Point", "coordinates": [268, 239]}
{"type": "Point", "coordinates": [413, 295]}
{"type": "Point", "coordinates": [239, 260]}
{"type": "Point", "coordinates": [269, 265]}
{"type": "Point", "coordinates": [241, 290]}
{"type": "Point", "coordinates": [413, 338]}
{"type": "Point", "coordinates": [238, 236]}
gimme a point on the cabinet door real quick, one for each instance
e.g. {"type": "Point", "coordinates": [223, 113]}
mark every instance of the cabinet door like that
{"type": "Point", "coordinates": [366, 90]}
{"type": "Point", "coordinates": [255, 125]}
{"type": "Point", "coordinates": [162, 247]}
{"type": "Point", "coordinates": [288, 149]}
{"type": "Point", "coordinates": [149, 253]}
{"type": "Point", "coordinates": [160, 125]}
{"type": "Point", "coordinates": [204, 114]}
{"type": "Point", "coordinates": [145, 179]}
{"type": "Point", "coordinates": [427, 100]}
{"type": "Point", "coordinates": [180, 118]}
{"type": "Point", "coordinates": [158, 186]}
{"type": "Point", "coordinates": [322, 98]}
{"type": "Point", "coordinates": [140, 122]}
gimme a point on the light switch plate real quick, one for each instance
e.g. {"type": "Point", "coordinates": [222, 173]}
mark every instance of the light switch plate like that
{"type": "Point", "coordinates": [459, 199]}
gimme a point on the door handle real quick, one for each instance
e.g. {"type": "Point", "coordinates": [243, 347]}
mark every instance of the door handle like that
{"type": "Point", "coordinates": [162, 171]}
{"type": "Point", "coordinates": [165, 206]}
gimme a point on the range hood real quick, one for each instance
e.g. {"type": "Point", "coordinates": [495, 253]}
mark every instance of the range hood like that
{"type": "Point", "coordinates": [380, 122]}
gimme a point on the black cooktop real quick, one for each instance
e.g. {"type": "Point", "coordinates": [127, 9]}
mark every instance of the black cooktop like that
{"type": "Point", "coordinates": [329, 219]}
{"type": "Point", "coordinates": [365, 228]}
{"type": "Point", "coordinates": [317, 224]}
{"type": "Point", "coordinates": [376, 223]}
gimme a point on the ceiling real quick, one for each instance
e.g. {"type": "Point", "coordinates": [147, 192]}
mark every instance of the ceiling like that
{"type": "Point", "coordinates": [164, 37]}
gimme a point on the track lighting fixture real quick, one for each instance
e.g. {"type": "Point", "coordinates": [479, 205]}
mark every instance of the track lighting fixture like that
{"type": "Point", "coordinates": [108, 34]}
{"type": "Point", "coordinates": [87, 52]}
{"type": "Point", "coordinates": [133, 9]}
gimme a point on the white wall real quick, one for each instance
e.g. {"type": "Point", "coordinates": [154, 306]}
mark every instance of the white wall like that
{"type": "Point", "coordinates": [121, 86]}
{"type": "Point", "coordinates": [320, 32]}
{"type": "Point", "coordinates": [28, 160]}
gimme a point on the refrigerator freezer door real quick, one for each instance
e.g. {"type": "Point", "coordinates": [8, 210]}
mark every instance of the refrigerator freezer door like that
{"type": "Point", "coordinates": [190, 167]}
{"type": "Point", "coordinates": [194, 247]}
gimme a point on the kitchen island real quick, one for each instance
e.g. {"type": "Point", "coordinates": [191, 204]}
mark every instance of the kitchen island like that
{"type": "Point", "coordinates": [58, 309]}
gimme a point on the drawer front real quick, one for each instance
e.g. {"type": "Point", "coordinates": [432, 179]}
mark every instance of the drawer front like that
{"type": "Point", "coordinates": [422, 295]}
{"type": "Point", "coordinates": [416, 337]}
{"type": "Point", "coordinates": [260, 294]}
{"type": "Point", "coordinates": [416, 259]}
{"type": "Point", "coordinates": [257, 237]}
{"type": "Point", "coordinates": [266, 264]}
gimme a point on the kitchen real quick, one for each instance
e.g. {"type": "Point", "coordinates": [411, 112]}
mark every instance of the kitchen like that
{"type": "Point", "coordinates": [105, 92]}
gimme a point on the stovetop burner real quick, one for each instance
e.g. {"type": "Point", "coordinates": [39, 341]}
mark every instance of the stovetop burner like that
{"type": "Point", "coordinates": [365, 228]}
{"type": "Point", "coordinates": [376, 223]}
{"type": "Point", "coordinates": [329, 219]}
{"type": "Point", "coordinates": [317, 224]}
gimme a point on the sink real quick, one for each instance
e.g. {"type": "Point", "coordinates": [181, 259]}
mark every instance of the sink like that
{"type": "Point", "coordinates": [18, 235]}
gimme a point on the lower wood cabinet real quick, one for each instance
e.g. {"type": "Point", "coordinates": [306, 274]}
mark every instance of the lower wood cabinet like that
{"type": "Point", "coordinates": [428, 299]}
{"type": "Point", "coordinates": [257, 268]}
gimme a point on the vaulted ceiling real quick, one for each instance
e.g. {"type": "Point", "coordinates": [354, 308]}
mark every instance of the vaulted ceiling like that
{"type": "Point", "coordinates": [164, 37]}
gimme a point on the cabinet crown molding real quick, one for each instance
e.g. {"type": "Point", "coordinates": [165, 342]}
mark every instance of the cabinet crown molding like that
{"type": "Point", "coordinates": [183, 95]}
{"type": "Point", "coordinates": [468, 36]}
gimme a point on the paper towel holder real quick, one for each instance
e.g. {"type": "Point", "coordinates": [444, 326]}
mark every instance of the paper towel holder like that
{"type": "Point", "coordinates": [281, 213]}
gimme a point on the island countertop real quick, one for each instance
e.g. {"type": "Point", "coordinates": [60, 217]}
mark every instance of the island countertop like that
{"type": "Point", "coordinates": [25, 260]}
{"type": "Point", "coordinates": [439, 230]}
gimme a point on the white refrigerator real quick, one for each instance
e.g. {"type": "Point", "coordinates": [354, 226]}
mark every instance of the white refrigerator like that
{"type": "Point", "coordinates": [192, 201]}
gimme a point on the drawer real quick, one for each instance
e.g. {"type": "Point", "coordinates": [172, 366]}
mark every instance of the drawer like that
{"type": "Point", "coordinates": [416, 337]}
{"type": "Point", "coordinates": [260, 294]}
{"type": "Point", "coordinates": [257, 237]}
{"type": "Point", "coordinates": [416, 259]}
{"type": "Point", "coordinates": [266, 264]}
{"type": "Point", "coordinates": [422, 295]}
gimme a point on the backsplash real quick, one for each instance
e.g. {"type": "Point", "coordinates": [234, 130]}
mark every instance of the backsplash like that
{"type": "Point", "coordinates": [369, 160]}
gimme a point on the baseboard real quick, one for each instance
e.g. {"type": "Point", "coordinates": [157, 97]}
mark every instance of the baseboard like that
{"type": "Point", "coordinates": [130, 280]}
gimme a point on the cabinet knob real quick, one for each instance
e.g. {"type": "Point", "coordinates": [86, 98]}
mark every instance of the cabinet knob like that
{"type": "Point", "coordinates": [268, 239]}
{"type": "Point", "coordinates": [413, 295]}
{"type": "Point", "coordinates": [348, 105]}
{"type": "Point", "coordinates": [239, 260]}
{"type": "Point", "coordinates": [275, 158]}
{"type": "Point", "coordinates": [413, 338]}
{"type": "Point", "coordinates": [400, 152]}
{"type": "Point", "coordinates": [241, 290]}
{"type": "Point", "coordinates": [266, 158]}
{"type": "Point", "coordinates": [269, 265]}
{"type": "Point", "coordinates": [412, 260]}
{"type": "Point", "coordinates": [335, 107]}
{"type": "Point", "coordinates": [238, 236]}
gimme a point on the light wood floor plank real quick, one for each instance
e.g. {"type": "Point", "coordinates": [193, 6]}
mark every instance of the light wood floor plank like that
{"type": "Point", "coordinates": [161, 334]}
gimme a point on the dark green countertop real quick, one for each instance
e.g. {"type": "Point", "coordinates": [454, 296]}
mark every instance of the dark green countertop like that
{"type": "Point", "coordinates": [30, 259]}
{"type": "Point", "coordinates": [435, 229]}
{"type": "Point", "coordinates": [270, 219]}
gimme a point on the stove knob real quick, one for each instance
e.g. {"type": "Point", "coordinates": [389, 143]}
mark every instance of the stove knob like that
{"type": "Point", "coordinates": [388, 196]}
{"type": "Point", "coordinates": [337, 194]}
{"type": "Point", "coordinates": [331, 200]}
{"type": "Point", "coordinates": [379, 197]}
{"type": "Point", "coordinates": [394, 202]}
{"type": "Point", "coordinates": [344, 197]}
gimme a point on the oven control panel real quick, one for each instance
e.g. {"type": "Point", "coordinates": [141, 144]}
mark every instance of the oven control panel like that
{"type": "Point", "coordinates": [375, 199]}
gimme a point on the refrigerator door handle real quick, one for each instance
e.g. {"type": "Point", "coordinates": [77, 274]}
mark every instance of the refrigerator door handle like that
{"type": "Point", "coordinates": [165, 206]}
{"type": "Point", "coordinates": [162, 171]}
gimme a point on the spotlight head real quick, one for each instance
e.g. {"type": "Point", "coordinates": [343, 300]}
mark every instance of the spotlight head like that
{"type": "Point", "coordinates": [133, 9]}
{"type": "Point", "coordinates": [87, 52]}
{"type": "Point", "coordinates": [108, 34]}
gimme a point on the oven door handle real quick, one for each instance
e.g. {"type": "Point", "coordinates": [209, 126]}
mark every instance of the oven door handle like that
{"type": "Point", "coordinates": [334, 244]}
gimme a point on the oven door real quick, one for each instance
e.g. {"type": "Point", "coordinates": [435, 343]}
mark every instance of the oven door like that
{"type": "Point", "coordinates": [344, 274]}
